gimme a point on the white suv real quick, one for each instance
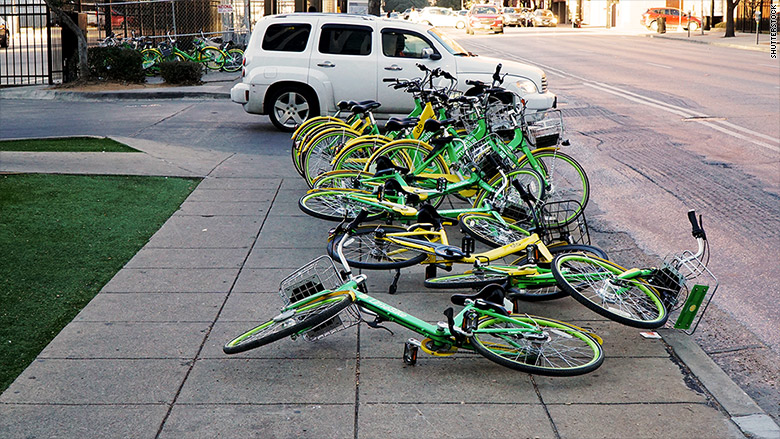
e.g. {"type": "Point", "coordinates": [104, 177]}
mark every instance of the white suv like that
{"type": "Point", "coordinates": [300, 65]}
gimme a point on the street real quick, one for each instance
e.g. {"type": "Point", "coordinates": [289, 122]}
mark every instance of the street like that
{"type": "Point", "coordinates": [660, 126]}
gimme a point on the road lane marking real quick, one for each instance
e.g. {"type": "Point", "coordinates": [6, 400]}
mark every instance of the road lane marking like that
{"type": "Point", "coordinates": [659, 65]}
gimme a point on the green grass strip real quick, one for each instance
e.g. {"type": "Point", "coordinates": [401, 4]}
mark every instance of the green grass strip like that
{"type": "Point", "coordinates": [62, 238]}
{"type": "Point", "coordinates": [65, 144]}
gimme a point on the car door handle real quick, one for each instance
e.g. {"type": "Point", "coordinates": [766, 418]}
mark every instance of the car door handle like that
{"type": "Point", "coordinates": [326, 64]}
{"type": "Point", "coordinates": [394, 67]}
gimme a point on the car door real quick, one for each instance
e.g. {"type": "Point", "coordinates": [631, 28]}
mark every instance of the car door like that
{"type": "Point", "coordinates": [401, 51]}
{"type": "Point", "coordinates": [346, 57]}
{"type": "Point", "coordinates": [673, 17]}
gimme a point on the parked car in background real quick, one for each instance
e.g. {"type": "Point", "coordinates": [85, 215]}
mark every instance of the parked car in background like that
{"type": "Point", "coordinates": [300, 65]}
{"type": "Point", "coordinates": [4, 34]}
{"type": "Point", "coordinates": [484, 17]}
{"type": "Point", "coordinates": [526, 15]}
{"type": "Point", "coordinates": [543, 17]}
{"type": "Point", "coordinates": [674, 17]}
{"type": "Point", "coordinates": [441, 17]}
{"type": "Point", "coordinates": [511, 16]}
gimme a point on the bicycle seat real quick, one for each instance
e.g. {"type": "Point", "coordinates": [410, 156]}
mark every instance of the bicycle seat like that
{"type": "Point", "coordinates": [490, 298]}
{"type": "Point", "coordinates": [395, 124]}
{"type": "Point", "coordinates": [449, 252]}
{"type": "Point", "coordinates": [436, 125]}
{"type": "Point", "coordinates": [385, 166]}
{"type": "Point", "coordinates": [441, 141]}
{"type": "Point", "coordinates": [360, 109]}
{"type": "Point", "coordinates": [429, 214]}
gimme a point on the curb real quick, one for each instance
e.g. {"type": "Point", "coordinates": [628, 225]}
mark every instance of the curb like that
{"type": "Point", "coordinates": [743, 411]}
{"type": "Point", "coordinates": [61, 95]}
{"type": "Point", "coordinates": [712, 43]}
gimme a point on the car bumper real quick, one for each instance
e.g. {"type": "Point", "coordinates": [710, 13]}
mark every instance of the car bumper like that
{"type": "Point", "coordinates": [487, 26]}
{"type": "Point", "coordinates": [250, 96]}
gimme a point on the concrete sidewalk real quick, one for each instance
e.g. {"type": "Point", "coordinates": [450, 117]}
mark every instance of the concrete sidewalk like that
{"type": "Point", "coordinates": [715, 37]}
{"type": "Point", "coordinates": [144, 358]}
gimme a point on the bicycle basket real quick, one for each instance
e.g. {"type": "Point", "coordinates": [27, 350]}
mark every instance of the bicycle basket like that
{"type": "Point", "coordinates": [546, 132]}
{"type": "Point", "coordinates": [165, 49]}
{"type": "Point", "coordinates": [316, 276]}
{"type": "Point", "coordinates": [499, 116]}
{"type": "Point", "coordinates": [482, 157]}
{"type": "Point", "coordinates": [564, 221]}
{"type": "Point", "coordinates": [686, 301]}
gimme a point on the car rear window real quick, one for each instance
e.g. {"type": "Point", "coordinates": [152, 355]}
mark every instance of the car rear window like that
{"type": "Point", "coordinates": [286, 37]}
{"type": "Point", "coordinates": [345, 40]}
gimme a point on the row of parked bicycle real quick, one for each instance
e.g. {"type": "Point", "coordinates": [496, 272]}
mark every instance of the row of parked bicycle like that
{"type": "Point", "coordinates": [522, 197]}
{"type": "Point", "coordinates": [212, 53]}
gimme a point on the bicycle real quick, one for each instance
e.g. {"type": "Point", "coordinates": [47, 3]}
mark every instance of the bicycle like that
{"type": "Point", "coordinates": [211, 57]}
{"type": "Point", "coordinates": [642, 297]}
{"type": "Point", "coordinates": [320, 303]}
{"type": "Point", "coordinates": [234, 55]}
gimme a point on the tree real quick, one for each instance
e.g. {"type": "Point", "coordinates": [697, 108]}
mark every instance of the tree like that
{"type": "Point", "coordinates": [730, 6]}
{"type": "Point", "coordinates": [58, 8]}
{"type": "Point", "coordinates": [374, 7]}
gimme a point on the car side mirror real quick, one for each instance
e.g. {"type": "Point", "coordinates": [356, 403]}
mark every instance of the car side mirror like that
{"type": "Point", "coordinates": [428, 53]}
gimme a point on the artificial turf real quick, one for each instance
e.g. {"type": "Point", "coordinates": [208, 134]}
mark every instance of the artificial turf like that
{"type": "Point", "coordinates": [65, 144]}
{"type": "Point", "coordinates": [62, 238]}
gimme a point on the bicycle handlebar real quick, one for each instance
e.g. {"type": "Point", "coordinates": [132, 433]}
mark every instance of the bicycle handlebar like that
{"type": "Point", "coordinates": [696, 226]}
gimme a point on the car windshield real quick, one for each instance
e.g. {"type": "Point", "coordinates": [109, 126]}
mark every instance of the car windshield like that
{"type": "Point", "coordinates": [509, 10]}
{"type": "Point", "coordinates": [485, 10]}
{"type": "Point", "coordinates": [544, 12]}
{"type": "Point", "coordinates": [449, 44]}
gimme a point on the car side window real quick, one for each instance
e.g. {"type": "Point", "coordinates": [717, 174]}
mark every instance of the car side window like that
{"type": "Point", "coordinates": [286, 37]}
{"type": "Point", "coordinates": [345, 40]}
{"type": "Point", "coordinates": [396, 44]}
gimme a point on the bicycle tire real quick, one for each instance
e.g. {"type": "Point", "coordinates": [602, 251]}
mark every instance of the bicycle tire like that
{"type": "Point", "coordinates": [489, 230]}
{"type": "Point", "coordinates": [212, 57]}
{"type": "Point", "coordinates": [234, 60]}
{"type": "Point", "coordinates": [307, 130]}
{"type": "Point", "coordinates": [565, 350]}
{"type": "Point", "coordinates": [594, 283]}
{"type": "Point", "coordinates": [335, 205]}
{"type": "Point", "coordinates": [551, 292]}
{"type": "Point", "coordinates": [150, 61]}
{"type": "Point", "coordinates": [299, 318]}
{"type": "Point", "coordinates": [410, 154]}
{"type": "Point", "coordinates": [366, 250]}
{"type": "Point", "coordinates": [321, 150]}
{"type": "Point", "coordinates": [356, 152]}
{"type": "Point", "coordinates": [507, 201]}
{"type": "Point", "coordinates": [470, 279]}
{"type": "Point", "coordinates": [341, 179]}
{"type": "Point", "coordinates": [566, 179]}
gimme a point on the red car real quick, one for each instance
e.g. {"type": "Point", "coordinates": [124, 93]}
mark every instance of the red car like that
{"type": "Point", "coordinates": [484, 17]}
{"type": "Point", "coordinates": [674, 17]}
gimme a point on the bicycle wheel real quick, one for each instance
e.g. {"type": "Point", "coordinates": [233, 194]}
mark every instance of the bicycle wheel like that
{"type": "Point", "coordinates": [150, 61]}
{"type": "Point", "coordinates": [297, 319]}
{"type": "Point", "coordinates": [551, 348]}
{"type": "Point", "coordinates": [410, 154]}
{"type": "Point", "coordinates": [336, 204]}
{"type": "Point", "coordinates": [549, 292]}
{"type": "Point", "coordinates": [489, 230]}
{"type": "Point", "coordinates": [212, 58]}
{"type": "Point", "coordinates": [470, 279]}
{"type": "Point", "coordinates": [596, 284]}
{"type": "Point", "coordinates": [356, 152]}
{"type": "Point", "coordinates": [565, 180]}
{"type": "Point", "coordinates": [321, 150]}
{"type": "Point", "coordinates": [506, 199]}
{"type": "Point", "coordinates": [367, 248]}
{"type": "Point", "coordinates": [341, 179]}
{"type": "Point", "coordinates": [309, 129]}
{"type": "Point", "coordinates": [234, 60]}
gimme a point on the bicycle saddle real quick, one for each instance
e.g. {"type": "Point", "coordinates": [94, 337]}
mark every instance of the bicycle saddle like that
{"type": "Point", "coordinates": [396, 124]}
{"type": "Point", "coordinates": [385, 166]}
{"type": "Point", "coordinates": [436, 125]}
{"type": "Point", "coordinates": [429, 214]}
{"type": "Point", "coordinates": [362, 108]}
{"type": "Point", "coordinates": [490, 298]}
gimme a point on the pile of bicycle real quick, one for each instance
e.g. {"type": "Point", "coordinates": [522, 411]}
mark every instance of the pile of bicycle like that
{"type": "Point", "coordinates": [212, 53]}
{"type": "Point", "coordinates": [511, 189]}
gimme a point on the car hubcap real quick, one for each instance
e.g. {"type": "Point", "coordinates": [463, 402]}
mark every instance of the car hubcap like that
{"type": "Point", "coordinates": [291, 109]}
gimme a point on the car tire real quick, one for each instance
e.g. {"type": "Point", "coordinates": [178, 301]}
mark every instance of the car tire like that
{"type": "Point", "coordinates": [460, 25]}
{"type": "Point", "coordinates": [653, 26]}
{"type": "Point", "coordinates": [693, 26]}
{"type": "Point", "coordinates": [286, 104]}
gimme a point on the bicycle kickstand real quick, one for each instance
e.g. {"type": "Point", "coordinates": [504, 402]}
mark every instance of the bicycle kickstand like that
{"type": "Point", "coordinates": [394, 286]}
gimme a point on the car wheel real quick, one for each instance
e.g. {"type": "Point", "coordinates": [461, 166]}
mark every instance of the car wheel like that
{"type": "Point", "coordinates": [460, 25]}
{"type": "Point", "coordinates": [693, 26]}
{"type": "Point", "coordinates": [290, 106]}
{"type": "Point", "coordinates": [653, 26]}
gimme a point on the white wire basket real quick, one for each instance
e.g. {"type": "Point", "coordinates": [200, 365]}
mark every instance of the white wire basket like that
{"type": "Point", "coordinates": [548, 131]}
{"type": "Point", "coordinates": [686, 287]}
{"type": "Point", "coordinates": [318, 275]}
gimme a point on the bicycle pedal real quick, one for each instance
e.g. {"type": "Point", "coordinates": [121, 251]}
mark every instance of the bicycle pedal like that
{"type": "Point", "coordinates": [410, 351]}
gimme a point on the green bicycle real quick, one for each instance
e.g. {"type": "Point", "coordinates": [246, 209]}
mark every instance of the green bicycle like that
{"type": "Point", "coordinates": [521, 342]}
